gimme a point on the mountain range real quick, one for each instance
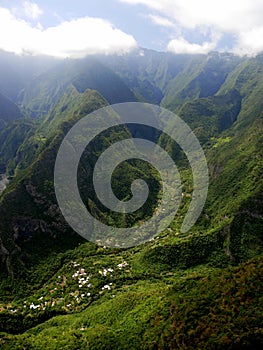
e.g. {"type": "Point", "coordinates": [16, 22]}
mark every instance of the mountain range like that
{"type": "Point", "coordinates": [196, 290]}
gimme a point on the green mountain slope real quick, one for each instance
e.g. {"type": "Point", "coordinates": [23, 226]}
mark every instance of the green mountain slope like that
{"type": "Point", "coordinates": [45, 91]}
{"type": "Point", "coordinates": [8, 112]}
{"type": "Point", "coordinates": [200, 309]}
{"type": "Point", "coordinates": [147, 72]}
{"type": "Point", "coordinates": [10, 117]}
{"type": "Point", "coordinates": [203, 76]}
{"type": "Point", "coordinates": [11, 139]}
{"type": "Point", "coordinates": [33, 184]}
{"type": "Point", "coordinates": [247, 79]}
{"type": "Point", "coordinates": [17, 70]}
{"type": "Point", "coordinates": [198, 290]}
{"type": "Point", "coordinates": [209, 116]}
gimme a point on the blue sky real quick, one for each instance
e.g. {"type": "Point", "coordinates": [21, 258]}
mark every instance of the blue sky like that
{"type": "Point", "coordinates": [77, 28]}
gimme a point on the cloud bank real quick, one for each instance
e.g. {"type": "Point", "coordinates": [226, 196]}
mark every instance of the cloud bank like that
{"type": "Point", "coordinates": [242, 19]}
{"type": "Point", "coordinates": [181, 45]}
{"type": "Point", "coordinates": [76, 38]}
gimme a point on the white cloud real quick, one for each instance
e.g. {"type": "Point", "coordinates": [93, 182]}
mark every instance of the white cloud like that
{"type": "Point", "coordinates": [182, 46]}
{"type": "Point", "coordinates": [155, 4]}
{"type": "Point", "coordinates": [75, 38]}
{"type": "Point", "coordinates": [32, 10]}
{"type": "Point", "coordinates": [250, 42]}
{"type": "Point", "coordinates": [161, 21]}
{"type": "Point", "coordinates": [240, 18]}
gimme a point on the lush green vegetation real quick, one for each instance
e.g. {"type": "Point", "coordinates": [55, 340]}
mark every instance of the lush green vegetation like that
{"type": "Point", "coordinates": [126, 305]}
{"type": "Point", "coordinates": [8, 111]}
{"type": "Point", "coordinates": [198, 290]}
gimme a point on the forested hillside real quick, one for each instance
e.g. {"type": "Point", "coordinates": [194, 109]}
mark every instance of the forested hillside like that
{"type": "Point", "coordinates": [196, 290]}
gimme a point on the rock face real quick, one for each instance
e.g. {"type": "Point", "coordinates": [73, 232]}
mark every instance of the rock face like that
{"type": "Point", "coordinates": [3, 182]}
{"type": "Point", "coordinates": [27, 228]}
{"type": "Point", "coordinates": [6, 257]}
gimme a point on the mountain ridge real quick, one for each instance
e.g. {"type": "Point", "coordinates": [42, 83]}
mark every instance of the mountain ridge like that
{"type": "Point", "coordinates": [160, 294]}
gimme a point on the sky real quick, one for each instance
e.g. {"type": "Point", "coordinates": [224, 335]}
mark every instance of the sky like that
{"type": "Point", "coordinates": [76, 28]}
